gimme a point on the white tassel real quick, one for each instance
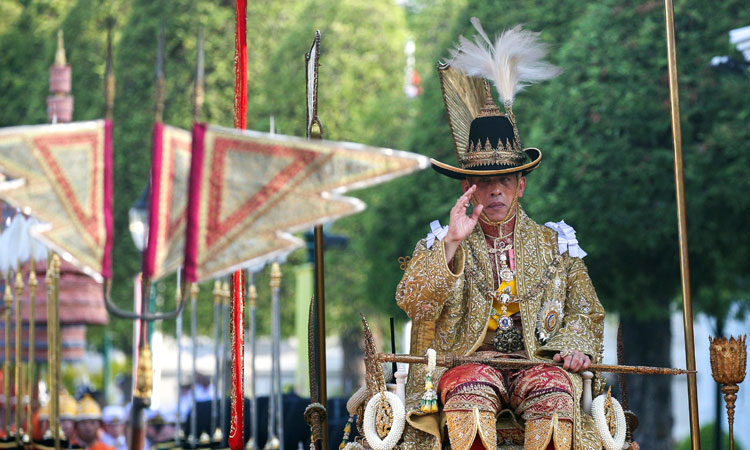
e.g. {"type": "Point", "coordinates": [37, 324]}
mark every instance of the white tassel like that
{"type": "Point", "coordinates": [514, 61]}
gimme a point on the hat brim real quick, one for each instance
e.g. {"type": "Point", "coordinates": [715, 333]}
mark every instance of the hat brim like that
{"type": "Point", "coordinates": [534, 154]}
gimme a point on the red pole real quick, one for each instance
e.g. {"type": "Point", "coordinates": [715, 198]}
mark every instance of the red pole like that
{"type": "Point", "coordinates": [237, 337]}
{"type": "Point", "coordinates": [236, 425]}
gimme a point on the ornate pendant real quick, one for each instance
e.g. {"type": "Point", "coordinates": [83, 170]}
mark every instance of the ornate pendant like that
{"type": "Point", "coordinates": [504, 323]}
{"type": "Point", "coordinates": [508, 341]}
{"type": "Point", "coordinates": [506, 275]}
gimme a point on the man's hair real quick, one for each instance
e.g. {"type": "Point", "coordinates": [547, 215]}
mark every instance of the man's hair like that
{"type": "Point", "coordinates": [469, 178]}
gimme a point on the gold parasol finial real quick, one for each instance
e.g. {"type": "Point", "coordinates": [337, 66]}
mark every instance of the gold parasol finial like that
{"type": "Point", "coordinates": [60, 53]}
{"type": "Point", "coordinates": [728, 361]}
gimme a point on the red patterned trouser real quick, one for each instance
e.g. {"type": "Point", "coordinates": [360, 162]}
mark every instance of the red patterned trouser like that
{"type": "Point", "coordinates": [535, 393]}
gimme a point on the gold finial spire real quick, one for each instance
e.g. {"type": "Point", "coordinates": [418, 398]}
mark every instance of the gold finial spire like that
{"type": "Point", "coordinates": [275, 276]}
{"type": "Point", "coordinates": [60, 54]}
{"type": "Point", "coordinates": [253, 295]}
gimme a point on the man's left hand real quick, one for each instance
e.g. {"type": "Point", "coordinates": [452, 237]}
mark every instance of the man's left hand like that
{"type": "Point", "coordinates": [574, 362]}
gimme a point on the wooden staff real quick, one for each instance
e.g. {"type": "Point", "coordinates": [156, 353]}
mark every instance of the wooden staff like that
{"type": "Point", "coordinates": [687, 304]}
{"type": "Point", "coordinates": [503, 363]}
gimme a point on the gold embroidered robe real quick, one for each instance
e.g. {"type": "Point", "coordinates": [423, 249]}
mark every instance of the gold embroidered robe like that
{"type": "Point", "coordinates": [450, 310]}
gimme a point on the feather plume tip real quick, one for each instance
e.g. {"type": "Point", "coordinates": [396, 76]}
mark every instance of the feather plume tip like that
{"type": "Point", "coordinates": [513, 61]}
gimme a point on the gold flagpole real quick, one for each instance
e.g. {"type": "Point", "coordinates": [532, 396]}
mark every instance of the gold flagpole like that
{"type": "Point", "coordinates": [687, 306]}
{"type": "Point", "coordinates": [19, 362]}
{"type": "Point", "coordinates": [53, 338]}
{"type": "Point", "coordinates": [6, 363]}
{"type": "Point", "coordinates": [32, 345]}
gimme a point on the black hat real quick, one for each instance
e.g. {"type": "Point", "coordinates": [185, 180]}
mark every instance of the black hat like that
{"type": "Point", "coordinates": [486, 140]}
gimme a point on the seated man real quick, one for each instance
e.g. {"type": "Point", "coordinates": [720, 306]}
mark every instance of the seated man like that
{"type": "Point", "coordinates": [496, 284]}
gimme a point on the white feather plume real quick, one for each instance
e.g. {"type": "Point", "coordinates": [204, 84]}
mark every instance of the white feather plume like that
{"type": "Point", "coordinates": [4, 253]}
{"type": "Point", "coordinates": [14, 236]}
{"type": "Point", "coordinates": [37, 250]}
{"type": "Point", "coordinates": [515, 60]}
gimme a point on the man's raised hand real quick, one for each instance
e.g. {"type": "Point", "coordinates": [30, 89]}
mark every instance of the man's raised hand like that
{"type": "Point", "coordinates": [460, 225]}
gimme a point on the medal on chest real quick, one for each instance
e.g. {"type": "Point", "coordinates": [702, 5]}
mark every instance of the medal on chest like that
{"type": "Point", "coordinates": [550, 316]}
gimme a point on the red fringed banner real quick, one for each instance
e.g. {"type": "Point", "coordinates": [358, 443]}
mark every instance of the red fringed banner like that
{"type": "Point", "coordinates": [62, 175]}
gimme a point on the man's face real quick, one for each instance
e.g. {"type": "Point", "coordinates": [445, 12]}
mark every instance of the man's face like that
{"type": "Point", "coordinates": [495, 193]}
{"type": "Point", "coordinates": [86, 430]}
{"type": "Point", "coordinates": [68, 427]}
{"type": "Point", "coordinates": [114, 429]}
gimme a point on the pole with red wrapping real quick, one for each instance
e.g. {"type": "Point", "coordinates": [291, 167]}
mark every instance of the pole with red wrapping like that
{"type": "Point", "coordinates": [236, 439]}
{"type": "Point", "coordinates": [237, 338]}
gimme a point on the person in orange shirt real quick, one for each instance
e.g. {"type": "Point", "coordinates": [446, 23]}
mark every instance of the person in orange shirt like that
{"type": "Point", "coordinates": [88, 423]}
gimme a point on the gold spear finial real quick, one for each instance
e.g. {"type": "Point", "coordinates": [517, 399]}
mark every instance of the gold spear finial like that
{"type": "Point", "coordinates": [217, 292]}
{"type": "Point", "coordinates": [275, 276]}
{"type": "Point", "coordinates": [252, 295]}
{"type": "Point", "coordinates": [199, 88]}
{"type": "Point", "coordinates": [225, 292]}
{"type": "Point", "coordinates": [145, 374]}
{"type": "Point", "coordinates": [109, 77]}
{"type": "Point", "coordinates": [60, 53]}
{"type": "Point", "coordinates": [159, 76]}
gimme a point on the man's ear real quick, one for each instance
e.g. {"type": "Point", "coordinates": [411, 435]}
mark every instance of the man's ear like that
{"type": "Point", "coordinates": [465, 184]}
{"type": "Point", "coordinates": [522, 186]}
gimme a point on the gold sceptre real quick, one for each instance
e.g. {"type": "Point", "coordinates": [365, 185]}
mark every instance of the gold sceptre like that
{"type": "Point", "coordinates": [6, 364]}
{"type": "Point", "coordinates": [728, 361]}
{"type": "Point", "coordinates": [19, 362]}
{"type": "Point", "coordinates": [32, 344]}
{"type": "Point", "coordinates": [507, 363]}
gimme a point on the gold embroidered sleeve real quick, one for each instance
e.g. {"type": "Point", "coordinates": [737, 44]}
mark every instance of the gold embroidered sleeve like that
{"type": "Point", "coordinates": [583, 322]}
{"type": "Point", "coordinates": [428, 282]}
